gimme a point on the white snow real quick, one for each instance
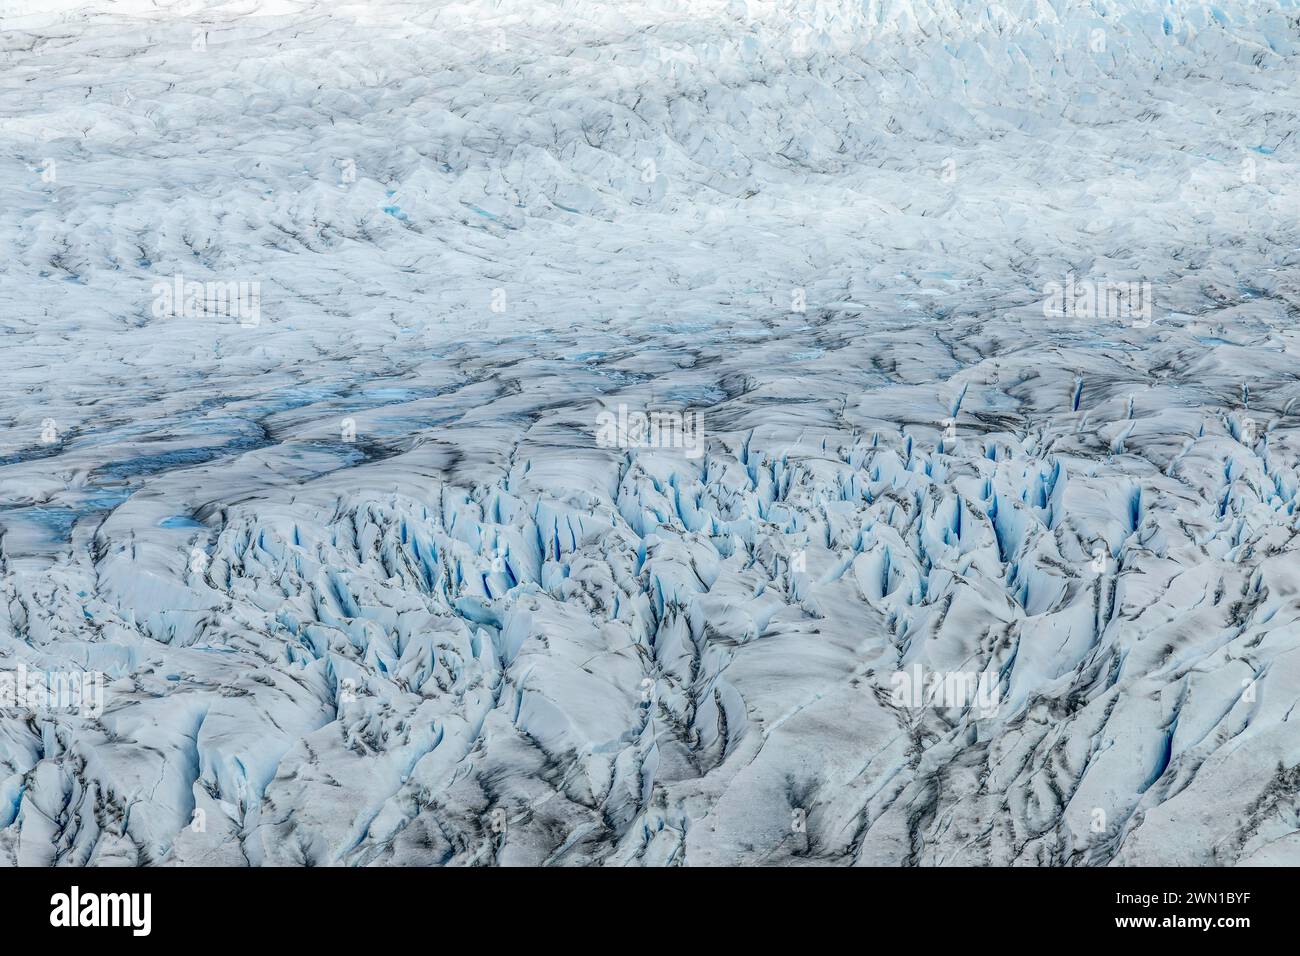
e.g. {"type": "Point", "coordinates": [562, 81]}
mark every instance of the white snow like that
{"type": "Point", "coordinates": [367, 587]}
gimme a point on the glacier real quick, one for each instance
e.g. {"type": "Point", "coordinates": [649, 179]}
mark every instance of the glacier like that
{"type": "Point", "coordinates": [895, 552]}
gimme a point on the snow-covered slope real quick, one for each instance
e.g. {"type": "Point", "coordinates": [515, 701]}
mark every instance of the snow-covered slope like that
{"type": "Point", "coordinates": [369, 582]}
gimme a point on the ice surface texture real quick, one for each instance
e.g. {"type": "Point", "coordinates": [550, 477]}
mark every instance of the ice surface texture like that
{"type": "Point", "coordinates": [363, 584]}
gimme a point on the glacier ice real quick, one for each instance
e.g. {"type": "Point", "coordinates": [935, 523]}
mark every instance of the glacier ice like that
{"type": "Point", "coordinates": [365, 587]}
